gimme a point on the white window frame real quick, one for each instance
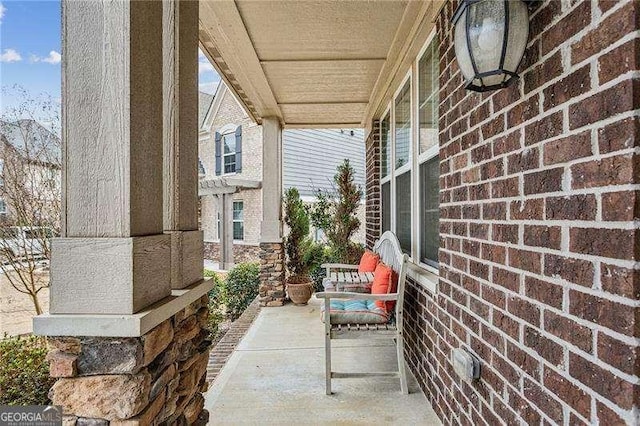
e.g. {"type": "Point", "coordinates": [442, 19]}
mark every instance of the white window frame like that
{"type": "Point", "coordinates": [233, 220]}
{"type": "Point", "coordinates": [228, 129]}
{"type": "Point", "coordinates": [416, 159]}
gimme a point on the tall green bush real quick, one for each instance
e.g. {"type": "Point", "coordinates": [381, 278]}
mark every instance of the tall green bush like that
{"type": "Point", "coordinates": [24, 372]}
{"type": "Point", "coordinates": [336, 213]}
{"type": "Point", "coordinates": [241, 287]}
{"type": "Point", "coordinates": [297, 241]}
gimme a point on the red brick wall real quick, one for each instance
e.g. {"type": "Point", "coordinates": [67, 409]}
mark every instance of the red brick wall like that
{"type": "Point", "coordinates": [540, 187]}
{"type": "Point", "coordinates": [372, 202]}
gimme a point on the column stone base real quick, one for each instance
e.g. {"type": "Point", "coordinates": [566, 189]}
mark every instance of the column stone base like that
{"type": "Point", "coordinates": [156, 378]}
{"type": "Point", "coordinates": [272, 291]}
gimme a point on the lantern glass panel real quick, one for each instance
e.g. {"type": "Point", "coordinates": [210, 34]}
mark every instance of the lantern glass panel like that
{"type": "Point", "coordinates": [486, 33]}
{"type": "Point", "coordinates": [518, 34]}
{"type": "Point", "coordinates": [462, 48]}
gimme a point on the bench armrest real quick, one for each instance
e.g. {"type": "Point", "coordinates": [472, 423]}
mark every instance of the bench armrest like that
{"type": "Point", "coordinates": [338, 266]}
{"type": "Point", "coordinates": [360, 296]}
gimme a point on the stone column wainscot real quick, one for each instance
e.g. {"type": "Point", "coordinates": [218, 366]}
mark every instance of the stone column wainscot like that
{"type": "Point", "coordinates": [272, 291]}
{"type": "Point", "coordinates": [156, 378]}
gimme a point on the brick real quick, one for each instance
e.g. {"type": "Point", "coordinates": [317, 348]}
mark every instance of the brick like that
{"type": "Point", "coordinates": [623, 134]}
{"type": "Point", "coordinates": [492, 169]}
{"type": "Point", "coordinates": [494, 296]}
{"type": "Point", "coordinates": [505, 233]}
{"type": "Point", "coordinates": [568, 392]}
{"type": "Point", "coordinates": [606, 416]}
{"type": "Point", "coordinates": [613, 243]}
{"type": "Point", "coordinates": [623, 356]}
{"type": "Point", "coordinates": [616, 316]}
{"type": "Point", "coordinates": [625, 20]}
{"type": "Point", "coordinates": [569, 330]}
{"type": "Point", "coordinates": [619, 61]}
{"type": "Point", "coordinates": [604, 104]}
{"type": "Point", "coordinates": [545, 347]}
{"type": "Point", "coordinates": [506, 324]}
{"type": "Point", "coordinates": [529, 209]}
{"type": "Point", "coordinates": [507, 143]}
{"type": "Point", "coordinates": [619, 170]}
{"type": "Point", "coordinates": [524, 408]}
{"type": "Point", "coordinates": [525, 260]}
{"type": "Point", "coordinates": [493, 253]}
{"type": "Point", "coordinates": [577, 271]}
{"type": "Point", "coordinates": [479, 230]}
{"type": "Point", "coordinates": [505, 187]}
{"type": "Point", "coordinates": [543, 181]}
{"type": "Point", "coordinates": [543, 129]}
{"type": "Point", "coordinates": [527, 159]}
{"type": "Point", "coordinates": [523, 360]}
{"type": "Point", "coordinates": [523, 111]}
{"type": "Point", "coordinates": [573, 207]}
{"type": "Point", "coordinates": [493, 127]}
{"type": "Point", "coordinates": [548, 293]}
{"type": "Point", "coordinates": [524, 309]}
{"type": "Point", "coordinates": [568, 149]}
{"type": "Point", "coordinates": [542, 236]}
{"type": "Point", "coordinates": [543, 400]}
{"type": "Point", "coordinates": [506, 279]}
{"type": "Point", "coordinates": [612, 387]}
{"type": "Point", "coordinates": [494, 211]}
{"type": "Point", "coordinates": [622, 206]}
{"type": "Point", "coordinates": [544, 72]}
{"type": "Point", "coordinates": [575, 84]}
{"type": "Point", "coordinates": [568, 26]}
{"type": "Point", "coordinates": [621, 281]}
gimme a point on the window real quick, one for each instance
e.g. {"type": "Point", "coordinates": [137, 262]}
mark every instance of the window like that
{"type": "Point", "coordinates": [229, 155]}
{"type": "Point", "coordinates": [228, 150]}
{"type": "Point", "coordinates": [238, 220]}
{"type": "Point", "coordinates": [3, 207]}
{"type": "Point", "coordinates": [429, 213]}
{"type": "Point", "coordinates": [402, 172]}
{"type": "Point", "coordinates": [385, 147]}
{"type": "Point", "coordinates": [403, 125]}
{"type": "Point", "coordinates": [410, 167]}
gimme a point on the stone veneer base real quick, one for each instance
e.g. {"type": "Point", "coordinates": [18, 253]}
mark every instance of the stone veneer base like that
{"type": "Point", "coordinates": [157, 378]}
{"type": "Point", "coordinates": [272, 291]}
{"type": "Point", "coordinates": [120, 325]}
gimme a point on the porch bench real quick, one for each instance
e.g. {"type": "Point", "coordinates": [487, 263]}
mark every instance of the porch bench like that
{"type": "Point", "coordinates": [388, 248]}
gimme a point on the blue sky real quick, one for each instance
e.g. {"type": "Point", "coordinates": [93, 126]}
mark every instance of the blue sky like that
{"type": "Point", "coordinates": [30, 51]}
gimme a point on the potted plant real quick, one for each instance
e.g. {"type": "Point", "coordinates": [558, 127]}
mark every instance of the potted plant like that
{"type": "Point", "coordinates": [296, 243]}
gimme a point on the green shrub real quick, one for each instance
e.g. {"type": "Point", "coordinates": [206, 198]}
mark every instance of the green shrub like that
{"type": "Point", "coordinates": [241, 287]}
{"type": "Point", "coordinates": [24, 372]}
{"type": "Point", "coordinates": [216, 304]}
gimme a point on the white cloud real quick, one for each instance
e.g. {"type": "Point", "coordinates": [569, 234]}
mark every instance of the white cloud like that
{"type": "Point", "coordinates": [53, 58]}
{"type": "Point", "coordinates": [204, 67]}
{"type": "Point", "coordinates": [10, 55]}
{"type": "Point", "coordinates": [2, 11]}
{"type": "Point", "coordinates": [209, 88]}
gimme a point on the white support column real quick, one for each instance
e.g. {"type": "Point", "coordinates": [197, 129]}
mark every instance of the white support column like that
{"type": "Point", "coordinates": [272, 291]}
{"type": "Point", "coordinates": [113, 257]}
{"type": "Point", "coordinates": [271, 227]}
{"type": "Point", "coordinates": [180, 139]}
{"type": "Point", "coordinates": [226, 239]}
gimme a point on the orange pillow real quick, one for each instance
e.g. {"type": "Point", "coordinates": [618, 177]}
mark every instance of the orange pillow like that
{"type": "Point", "coordinates": [385, 281]}
{"type": "Point", "coordinates": [368, 261]}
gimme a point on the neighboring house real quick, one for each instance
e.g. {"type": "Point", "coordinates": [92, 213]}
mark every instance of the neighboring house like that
{"type": "Point", "coordinates": [29, 165]}
{"type": "Point", "coordinates": [230, 152]}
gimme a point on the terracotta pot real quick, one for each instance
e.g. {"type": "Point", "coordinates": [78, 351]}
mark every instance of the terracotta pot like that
{"type": "Point", "coordinates": [300, 291]}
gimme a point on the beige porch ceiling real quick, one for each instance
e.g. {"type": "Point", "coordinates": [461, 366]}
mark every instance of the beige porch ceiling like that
{"type": "Point", "coordinates": [324, 63]}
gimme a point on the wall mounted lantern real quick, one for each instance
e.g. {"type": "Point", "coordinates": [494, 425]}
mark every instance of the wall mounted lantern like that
{"type": "Point", "coordinates": [490, 37]}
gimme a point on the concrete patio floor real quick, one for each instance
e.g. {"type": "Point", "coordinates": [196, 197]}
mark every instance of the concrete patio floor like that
{"type": "Point", "coordinates": [276, 376]}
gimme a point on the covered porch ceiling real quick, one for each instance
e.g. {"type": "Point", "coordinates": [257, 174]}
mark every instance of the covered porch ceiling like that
{"type": "Point", "coordinates": [311, 63]}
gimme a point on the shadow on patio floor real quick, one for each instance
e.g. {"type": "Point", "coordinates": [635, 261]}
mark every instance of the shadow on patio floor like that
{"type": "Point", "coordinates": [276, 376]}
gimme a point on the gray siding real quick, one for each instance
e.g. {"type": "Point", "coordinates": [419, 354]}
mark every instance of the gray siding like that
{"type": "Point", "coordinates": [312, 155]}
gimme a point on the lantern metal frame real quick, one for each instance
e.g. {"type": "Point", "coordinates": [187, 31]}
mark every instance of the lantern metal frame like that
{"type": "Point", "coordinates": [464, 7]}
